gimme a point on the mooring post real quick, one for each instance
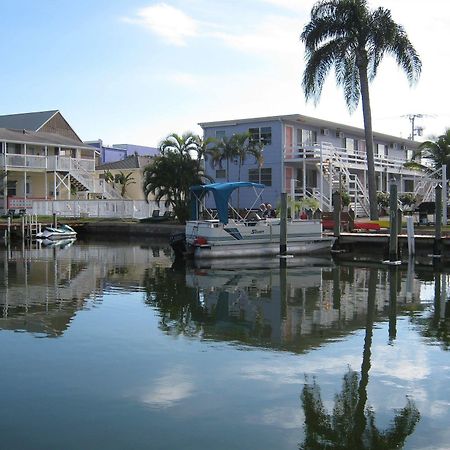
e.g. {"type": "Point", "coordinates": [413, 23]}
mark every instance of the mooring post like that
{"type": "Point", "coordinates": [393, 225]}
{"type": "Point", "coordinates": [438, 222]}
{"type": "Point", "coordinates": [283, 224]}
{"type": "Point", "coordinates": [410, 234]}
{"type": "Point", "coordinates": [55, 221]}
{"type": "Point", "coordinates": [9, 228]}
{"type": "Point", "coordinates": [337, 205]}
{"type": "Point", "coordinates": [23, 227]}
{"type": "Point", "coordinates": [393, 280]}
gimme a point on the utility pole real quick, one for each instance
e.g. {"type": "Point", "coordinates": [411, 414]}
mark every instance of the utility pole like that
{"type": "Point", "coordinates": [414, 131]}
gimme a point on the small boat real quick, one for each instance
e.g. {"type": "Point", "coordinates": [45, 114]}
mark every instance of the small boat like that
{"type": "Point", "coordinates": [247, 234]}
{"type": "Point", "coordinates": [59, 243]}
{"type": "Point", "coordinates": [61, 232]}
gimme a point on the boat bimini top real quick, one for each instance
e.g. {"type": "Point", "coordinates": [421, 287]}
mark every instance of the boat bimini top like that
{"type": "Point", "coordinates": [221, 193]}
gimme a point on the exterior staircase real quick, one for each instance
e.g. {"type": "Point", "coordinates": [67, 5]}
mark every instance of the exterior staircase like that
{"type": "Point", "coordinates": [336, 176]}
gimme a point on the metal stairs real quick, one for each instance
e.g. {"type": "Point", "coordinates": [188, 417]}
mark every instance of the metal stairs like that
{"type": "Point", "coordinates": [336, 177]}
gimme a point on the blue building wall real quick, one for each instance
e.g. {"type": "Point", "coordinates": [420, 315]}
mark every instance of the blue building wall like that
{"type": "Point", "coordinates": [118, 152]}
{"type": "Point", "coordinates": [272, 159]}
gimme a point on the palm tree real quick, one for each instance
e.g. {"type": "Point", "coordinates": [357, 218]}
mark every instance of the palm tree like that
{"type": "Point", "coordinates": [124, 181]}
{"type": "Point", "coordinates": [437, 151]}
{"type": "Point", "coordinates": [225, 150]}
{"type": "Point", "coordinates": [169, 178]}
{"type": "Point", "coordinates": [352, 423]}
{"type": "Point", "coordinates": [181, 144]}
{"type": "Point", "coordinates": [346, 34]}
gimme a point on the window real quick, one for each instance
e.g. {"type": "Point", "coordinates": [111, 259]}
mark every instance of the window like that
{"type": "Point", "coordinates": [220, 134]}
{"type": "Point", "coordinates": [12, 188]}
{"type": "Point", "coordinates": [380, 150]}
{"type": "Point", "coordinates": [266, 135]}
{"type": "Point", "coordinates": [309, 137]}
{"type": "Point", "coordinates": [409, 185]}
{"type": "Point", "coordinates": [221, 173]}
{"type": "Point", "coordinates": [263, 135]}
{"type": "Point", "coordinates": [350, 145]}
{"type": "Point", "coordinates": [299, 136]}
{"type": "Point", "coordinates": [263, 176]}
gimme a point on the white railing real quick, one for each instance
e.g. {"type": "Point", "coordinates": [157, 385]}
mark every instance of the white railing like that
{"type": "Point", "coordinates": [115, 209]}
{"type": "Point", "coordinates": [62, 163]}
{"type": "Point", "coordinates": [355, 159]}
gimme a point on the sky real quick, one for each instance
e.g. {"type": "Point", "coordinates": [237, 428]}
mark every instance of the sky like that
{"type": "Point", "coordinates": [133, 71]}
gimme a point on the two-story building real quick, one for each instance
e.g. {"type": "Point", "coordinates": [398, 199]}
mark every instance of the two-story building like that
{"type": "Point", "coordinates": [310, 157]}
{"type": "Point", "coordinates": [42, 158]}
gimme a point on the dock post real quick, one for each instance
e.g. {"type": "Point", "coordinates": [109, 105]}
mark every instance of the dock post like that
{"type": "Point", "coordinates": [410, 234]}
{"type": "Point", "coordinates": [9, 228]}
{"type": "Point", "coordinates": [438, 223]}
{"type": "Point", "coordinates": [393, 281]}
{"type": "Point", "coordinates": [393, 237]}
{"type": "Point", "coordinates": [22, 227]}
{"type": "Point", "coordinates": [283, 224]}
{"type": "Point", "coordinates": [337, 206]}
{"type": "Point", "coordinates": [55, 221]}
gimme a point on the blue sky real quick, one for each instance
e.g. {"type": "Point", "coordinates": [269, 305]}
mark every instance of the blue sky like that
{"type": "Point", "coordinates": [130, 71]}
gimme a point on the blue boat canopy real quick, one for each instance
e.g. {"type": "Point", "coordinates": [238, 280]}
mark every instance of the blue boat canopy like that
{"type": "Point", "coordinates": [221, 193]}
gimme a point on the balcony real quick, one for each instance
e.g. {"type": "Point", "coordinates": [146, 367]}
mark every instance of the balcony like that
{"type": "Point", "coordinates": [10, 161]}
{"type": "Point", "coordinates": [341, 156]}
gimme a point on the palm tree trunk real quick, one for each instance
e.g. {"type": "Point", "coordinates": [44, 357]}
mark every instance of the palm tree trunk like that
{"type": "Point", "coordinates": [373, 209]}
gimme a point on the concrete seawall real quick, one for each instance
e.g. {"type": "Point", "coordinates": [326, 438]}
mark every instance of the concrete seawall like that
{"type": "Point", "coordinates": [129, 229]}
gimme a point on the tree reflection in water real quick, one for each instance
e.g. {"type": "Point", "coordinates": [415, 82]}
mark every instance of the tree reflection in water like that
{"type": "Point", "coordinates": [352, 423]}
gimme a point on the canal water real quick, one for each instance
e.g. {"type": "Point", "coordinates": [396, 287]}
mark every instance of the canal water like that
{"type": "Point", "coordinates": [113, 346]}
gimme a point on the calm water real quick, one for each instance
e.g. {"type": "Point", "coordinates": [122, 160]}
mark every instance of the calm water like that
{"type": "Point", "coordinates": [108, 346]}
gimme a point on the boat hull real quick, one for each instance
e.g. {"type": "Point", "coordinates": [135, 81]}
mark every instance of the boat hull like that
{"type": "Point", "coordinates": [211, 239]}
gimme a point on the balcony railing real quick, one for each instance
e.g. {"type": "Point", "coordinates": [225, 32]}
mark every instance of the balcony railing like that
{"type": "Point", "coordinates": [329, 153]}
{"type": "Point", "coordinates": [58, 163]}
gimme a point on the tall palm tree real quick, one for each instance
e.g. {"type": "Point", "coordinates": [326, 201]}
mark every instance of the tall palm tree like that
{"type": "Point", "coordinates": [437, 151]}
{"type": "Point", "coordinates": [351, 425]}
{"type": "Point", "coordinates": [346, 34]}
{"type": "Point", "coordinates": [182, 144]}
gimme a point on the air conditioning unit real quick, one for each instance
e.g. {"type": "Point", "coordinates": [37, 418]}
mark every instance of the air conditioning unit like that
{"type": "Point", "coordinates": [324, 131]}
{"type": "Point", "coordinates": [393, 145]}
{"type": "Point", "coordinates": [340, 134]}
{"type": "Point", "coordinates": [403, 147]}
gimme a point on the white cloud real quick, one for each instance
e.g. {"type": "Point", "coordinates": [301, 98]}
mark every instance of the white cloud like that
{"type": "Point", "coordinates": [169, 390]}
{"type": "Point", "coordinates": [170, 23]}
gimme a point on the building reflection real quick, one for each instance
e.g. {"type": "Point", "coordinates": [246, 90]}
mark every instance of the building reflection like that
{"type": "Point", "coordinates": [43, 288]}
{"type": "Point", "coordinates": [299, 307]}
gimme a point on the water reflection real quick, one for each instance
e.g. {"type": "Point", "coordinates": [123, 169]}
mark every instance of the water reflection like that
{"type": "Point", "coordinates": [352, 425]}
{"type": "Point", "coordinates": [44, 287]}
{"type": "Point", "coordinates": [296, 308]}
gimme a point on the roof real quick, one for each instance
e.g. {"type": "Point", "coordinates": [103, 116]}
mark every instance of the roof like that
{"type": "Point", "coordinates": [221, 192]}
{"type": "Point", "coordinates": [27, 121]}
{"type": "Point", "coordinates": [40, 138]}
{"type": "Point", "coordinates": [311, 121]}
{"type": "Point", "coordinates": [130, 162]}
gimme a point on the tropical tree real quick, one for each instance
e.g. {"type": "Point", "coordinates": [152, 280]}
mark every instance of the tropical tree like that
{"type": "Point", "coordinates": [124, 181]}
{"type": "Point", "coordinates": [238, 146]}
{"type": "Point", "coordinates": [351, 425]}
{"type": "Point", "coordinates": [169, 178]}
{"type": "Point", "coordinates": [346, 34]}
{"type": "Point", "coordinates": [437, 151]}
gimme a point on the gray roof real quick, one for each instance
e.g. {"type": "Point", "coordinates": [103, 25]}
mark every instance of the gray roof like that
{"type": "Point", "coordinates": [27, 121]}
{"type": "Point", "coordinates": [40, 138]}
{"type": "Point", "coordinates": [130, 162]}
{"type": "Point", "coordinates": [312, 121]}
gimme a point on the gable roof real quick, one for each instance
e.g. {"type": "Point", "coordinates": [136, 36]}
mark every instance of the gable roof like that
{"type": "Point", "coordinates": [130, 162]}
{"type": "Point", "coordinates": [27, 121]}
{"type": "Point", "coordinates": [41, 138]}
